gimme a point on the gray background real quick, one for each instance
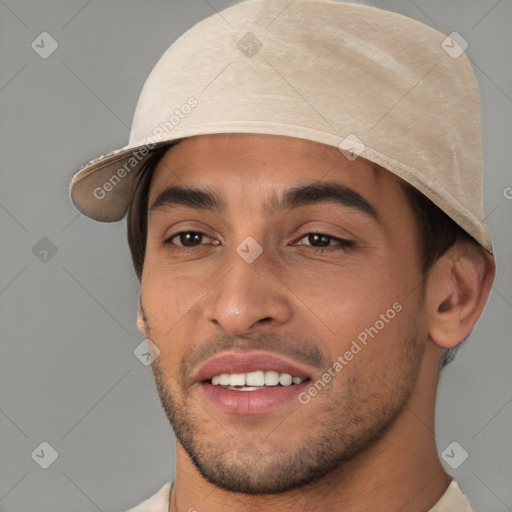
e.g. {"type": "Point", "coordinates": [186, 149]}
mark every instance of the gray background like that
{"type": "Point", "coordinates": [68, 373]}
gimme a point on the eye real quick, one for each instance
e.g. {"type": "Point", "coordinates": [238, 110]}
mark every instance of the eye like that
{"type": "Point", "coordinates": [324, 242]}
{"type": "Point", "coordinates": [187, 239]}
{"type": "Point", "coordinates": [321, 242]}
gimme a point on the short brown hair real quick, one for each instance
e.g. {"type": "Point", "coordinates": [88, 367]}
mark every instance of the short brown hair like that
{"type": "Point", "coordinates": [137, 219]}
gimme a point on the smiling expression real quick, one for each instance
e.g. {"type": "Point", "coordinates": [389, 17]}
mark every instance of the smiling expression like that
{"type": "Point", "coordinates": [242, 333]}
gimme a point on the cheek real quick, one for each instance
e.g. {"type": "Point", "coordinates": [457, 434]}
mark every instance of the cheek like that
{"type": "Point", "coordinates": [377, 359]}
{"type": "Point", "coordinates": [172, 300]}
{"type": "Point", "coordinates": [349, 297]}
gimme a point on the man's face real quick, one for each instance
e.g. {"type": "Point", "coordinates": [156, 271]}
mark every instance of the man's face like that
{"type": "Point", "coordinates": [333, 300]}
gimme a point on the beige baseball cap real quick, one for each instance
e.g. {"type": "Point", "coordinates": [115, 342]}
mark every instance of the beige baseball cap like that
{"type": "Point", "coordinates": [373, 83]}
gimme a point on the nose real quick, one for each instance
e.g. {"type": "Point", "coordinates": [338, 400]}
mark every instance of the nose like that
{"type": "Point", "coordinates": [249, 295]}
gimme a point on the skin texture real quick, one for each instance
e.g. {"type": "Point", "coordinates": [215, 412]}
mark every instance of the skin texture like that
{"type": "Point", "coordinates": [365, 441]}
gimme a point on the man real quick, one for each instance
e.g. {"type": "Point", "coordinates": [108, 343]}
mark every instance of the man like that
{"type": "Point", "coordinates": [305, 217]}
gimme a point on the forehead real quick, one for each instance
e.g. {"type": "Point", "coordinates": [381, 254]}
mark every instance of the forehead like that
{"type": "Point", "coordinates": [246, 167]}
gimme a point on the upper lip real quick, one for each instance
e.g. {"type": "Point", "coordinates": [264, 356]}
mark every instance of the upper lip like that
{"type": "Point", "coordinates": [245, 362]}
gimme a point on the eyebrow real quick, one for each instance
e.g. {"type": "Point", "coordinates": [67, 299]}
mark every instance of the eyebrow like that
{"type": "Point", "coordinates": [295, 197]}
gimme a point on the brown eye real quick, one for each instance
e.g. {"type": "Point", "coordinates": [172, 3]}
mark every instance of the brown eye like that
{"type": "Point", "coordinates": [187, 239]}
{"type": "Point", "coordinates": [319, 240]}
{"type": "Point", "coordinates": [324, 242]}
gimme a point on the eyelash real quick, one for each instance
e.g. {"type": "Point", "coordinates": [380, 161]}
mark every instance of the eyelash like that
{"type": "Point", "coordinates": [344, 244]}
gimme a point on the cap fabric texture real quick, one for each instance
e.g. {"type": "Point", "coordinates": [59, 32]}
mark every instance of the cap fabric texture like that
{"type": "Point", "coordinates": [373, 83]}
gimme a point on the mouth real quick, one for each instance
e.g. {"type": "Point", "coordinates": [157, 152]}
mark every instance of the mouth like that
{"type": "Point", "coordinates": [250, 382]}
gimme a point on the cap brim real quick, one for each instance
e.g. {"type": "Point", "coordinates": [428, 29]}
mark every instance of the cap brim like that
{"type": "Point", "coordinates": [102, 189]}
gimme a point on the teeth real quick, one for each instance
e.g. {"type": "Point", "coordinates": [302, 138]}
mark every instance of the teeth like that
{"type": "Point", "coordinates": [271, 378]}
{"type": "Point", "coordinates": [285, 379]}
{"type": "Point", "coordinates": [237, 379]}
{"type": "Point", "coordinates": [225, 379]}
{"type": "Point", "coordinates": [254, 380]}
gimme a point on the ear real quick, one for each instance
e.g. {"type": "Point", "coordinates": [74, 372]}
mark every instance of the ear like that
{"type": "Point", "coordinates": [141, 318]}
{"type": "Point", "coordinates": [458, 287]}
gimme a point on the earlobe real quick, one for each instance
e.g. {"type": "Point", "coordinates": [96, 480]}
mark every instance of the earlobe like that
{"type": "Point", "coordinates": [457, 289]}
{"type": "Point", "coordinates": [141, 325]}
{"type": "Point", "coordinates": [141, 321]}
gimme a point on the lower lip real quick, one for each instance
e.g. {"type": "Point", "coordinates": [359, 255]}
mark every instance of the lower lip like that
{"type": "Point", "coordinates": [248, 403]}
